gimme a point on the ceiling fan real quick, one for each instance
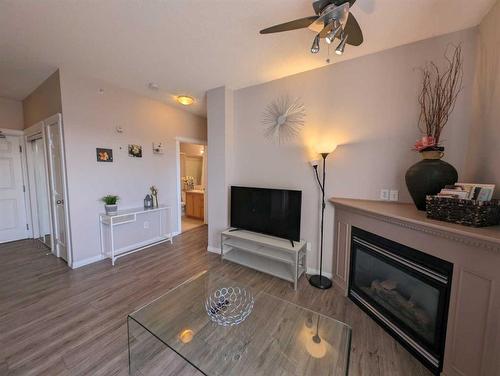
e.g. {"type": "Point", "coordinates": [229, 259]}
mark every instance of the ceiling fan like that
{"type": "Point", "coordinates": [332, 21]}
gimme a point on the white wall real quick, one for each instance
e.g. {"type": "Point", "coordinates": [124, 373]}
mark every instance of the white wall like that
{"type": "Point", "coordinates": [11, 114]}
{"type": "Point", "coordinates": [90, 119]}
{"type": "Point", "coordinates": [220, 118]}
{"type": "Point", "coordinates": [366, 105]}
{"type": "Point", "coordinates": [484, 152]}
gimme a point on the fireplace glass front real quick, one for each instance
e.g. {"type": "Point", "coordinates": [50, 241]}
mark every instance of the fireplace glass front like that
{"type": "Point", "coordinates": [405, 290]}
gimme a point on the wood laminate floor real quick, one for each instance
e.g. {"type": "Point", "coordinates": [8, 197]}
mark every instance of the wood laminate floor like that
{"type": "Point", "coordinates": [58, 321]}
{"type": "Point", "coordinates": [190, 223]}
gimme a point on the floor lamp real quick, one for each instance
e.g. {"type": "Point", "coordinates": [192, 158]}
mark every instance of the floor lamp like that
{"type": "Point", "coordinates": [319, 280]}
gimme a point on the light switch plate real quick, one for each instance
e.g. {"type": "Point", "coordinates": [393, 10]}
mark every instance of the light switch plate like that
{"type": "Point", "coordinates": [394, 195]}
{"type": "Point", "coordinates": [384, 194]}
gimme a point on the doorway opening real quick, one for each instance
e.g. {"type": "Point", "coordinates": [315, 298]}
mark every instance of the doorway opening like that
{"type": "Point", "coordinates": [47, 186]}
{"type": "Point", "coordinates": [192, 182]}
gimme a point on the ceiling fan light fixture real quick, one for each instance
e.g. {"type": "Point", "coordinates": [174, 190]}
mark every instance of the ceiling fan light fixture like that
{"type": "Point", "coordinates": [315, 45]}
{"type": "Point", "coordinates": [341, 47]}
{"type": "Point", "coordinates": [337, 28]}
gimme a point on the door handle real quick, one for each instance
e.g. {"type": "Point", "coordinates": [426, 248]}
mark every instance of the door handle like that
{"type": "Point", "coordinates": [60, 202]}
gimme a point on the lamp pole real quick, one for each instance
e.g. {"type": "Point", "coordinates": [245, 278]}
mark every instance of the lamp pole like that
{"type": "Point", "coordinates": [319, 280]}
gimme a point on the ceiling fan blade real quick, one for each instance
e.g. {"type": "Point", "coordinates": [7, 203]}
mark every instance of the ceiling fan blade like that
{"type": "Point", "coordinates": [292, 25]}
{"type": "Point", "coordinates": [319, 5]}
{"type": "Point", "coordinates": [354, 31]}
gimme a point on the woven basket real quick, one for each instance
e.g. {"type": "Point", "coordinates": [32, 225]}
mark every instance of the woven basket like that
{"type": "Point", "coordinates": [464, 212]}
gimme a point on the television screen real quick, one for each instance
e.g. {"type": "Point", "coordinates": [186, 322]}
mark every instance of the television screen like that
{"type": "Point", "coordinates": [273, 212]}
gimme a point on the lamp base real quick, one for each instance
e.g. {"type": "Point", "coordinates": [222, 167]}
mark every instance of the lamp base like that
{"type": "Point", "coordinates": [320, 282]}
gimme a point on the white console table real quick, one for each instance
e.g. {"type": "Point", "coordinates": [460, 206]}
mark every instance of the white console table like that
{"type": "Point", "coordinates": [133, 230]}
{"type": "Point", "coordinates": [267, 254]}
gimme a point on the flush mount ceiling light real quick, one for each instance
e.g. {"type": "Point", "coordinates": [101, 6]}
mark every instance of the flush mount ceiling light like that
{"type": "Point", "coordinates": [185, 100]}
{"type": "Point", "coordinates": [333, 20]}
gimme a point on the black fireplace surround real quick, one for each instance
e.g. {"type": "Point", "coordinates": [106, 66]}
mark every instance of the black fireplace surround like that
{"type": "Point", "coordinates": [404, 290]}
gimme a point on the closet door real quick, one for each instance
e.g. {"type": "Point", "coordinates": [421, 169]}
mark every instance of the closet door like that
{"type": "Point", "coordinates": [57, 179]}
{"type": "Point", "coordinates": [13, 225]}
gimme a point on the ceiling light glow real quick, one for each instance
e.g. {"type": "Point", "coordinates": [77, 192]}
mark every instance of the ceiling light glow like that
{"type": "Point", "coordinates": [185, 100]}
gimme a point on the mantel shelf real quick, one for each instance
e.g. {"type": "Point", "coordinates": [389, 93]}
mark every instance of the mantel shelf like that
{"type": "Point", "coordinates": [407, 215]}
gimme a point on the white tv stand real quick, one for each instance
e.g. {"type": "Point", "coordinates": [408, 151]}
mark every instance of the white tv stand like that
{"type": "Point", "coordinates": [267, 254]}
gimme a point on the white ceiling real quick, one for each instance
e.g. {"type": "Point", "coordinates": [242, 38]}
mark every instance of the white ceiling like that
{"type": "Point", "coordinates": [190, 46]}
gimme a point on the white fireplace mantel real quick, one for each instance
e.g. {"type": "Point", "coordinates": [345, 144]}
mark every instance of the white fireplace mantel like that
{"type": "Point", "coordinates": [473, 334]}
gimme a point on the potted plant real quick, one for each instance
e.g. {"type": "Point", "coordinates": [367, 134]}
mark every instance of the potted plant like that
{"type": "Point", "coordinates": [439, 93]}
{"type": "Point", "coordinates": [110, 204]}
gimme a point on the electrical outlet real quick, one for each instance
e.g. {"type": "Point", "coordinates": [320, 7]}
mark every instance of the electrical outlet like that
{"type": "Point", "coordinates": [146, 224]}
{"type": "Point", "coordinates": [384, 194]}
{"type": "Point", "coordinates": [308, 246]}
{"type": "Point", "coordinates": [394, 195]}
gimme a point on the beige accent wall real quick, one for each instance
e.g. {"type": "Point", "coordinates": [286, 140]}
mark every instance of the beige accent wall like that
{"type": "Point", "coordinates": [11, 114]}
{"type": "Point", "coordinates": [43, 102]}
{"type": "Point", "coordinates": [368, 106]}
{"type": "Point", "coordinates": [92, 111]}
{"type": "Point", "coordinates": [484, 152]}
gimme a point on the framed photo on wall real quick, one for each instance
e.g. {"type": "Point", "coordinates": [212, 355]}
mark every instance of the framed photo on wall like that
{"type": "Point", "coordinates": [104, 155]}
{"type": "Point", "coordinates": [135, 151]}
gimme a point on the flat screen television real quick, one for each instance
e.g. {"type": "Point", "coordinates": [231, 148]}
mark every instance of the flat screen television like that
{"type": "Point", "coordinates": [273, 212]}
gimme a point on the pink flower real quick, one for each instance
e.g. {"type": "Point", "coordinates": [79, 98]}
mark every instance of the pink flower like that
{"type": "Point", "coordinates": [424, 142]}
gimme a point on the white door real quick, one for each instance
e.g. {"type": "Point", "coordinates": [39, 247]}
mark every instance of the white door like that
{"type": "Point", "coordinates": [13, 225]}
{"type": "Point", "coordinates": [53, 129]}
{"type": "Point", "coordinates": [41, 227]}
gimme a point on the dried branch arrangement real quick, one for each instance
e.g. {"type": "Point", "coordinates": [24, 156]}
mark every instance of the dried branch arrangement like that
{"type": "Point", "coordinates": [437, 99]}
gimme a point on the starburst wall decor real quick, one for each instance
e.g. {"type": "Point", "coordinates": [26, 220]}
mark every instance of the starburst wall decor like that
{"type": "Point", "coordinates": [283, 119]}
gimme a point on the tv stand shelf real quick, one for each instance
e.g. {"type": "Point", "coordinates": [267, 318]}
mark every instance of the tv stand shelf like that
{"type": "Point", "coordinates": [267, 254]}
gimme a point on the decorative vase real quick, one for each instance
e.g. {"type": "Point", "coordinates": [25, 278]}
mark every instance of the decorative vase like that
{"type": "Point", "coordinates": [429, 176]}
{"type": "Point", "coordinates": [111, 209]}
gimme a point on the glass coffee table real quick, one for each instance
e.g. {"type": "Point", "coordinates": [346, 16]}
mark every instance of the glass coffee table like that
{"type": "Point", "coordinates": [221, 327]}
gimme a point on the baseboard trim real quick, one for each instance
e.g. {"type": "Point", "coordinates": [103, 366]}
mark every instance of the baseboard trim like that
{"type": "Point", "coordinates": [213, 249]}
{"type": "Point", "coordinates": [87, 261]}
{"type": "Point", "coordinates": [311, 271]}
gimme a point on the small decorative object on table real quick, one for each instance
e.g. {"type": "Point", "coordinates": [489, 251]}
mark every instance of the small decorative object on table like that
{"type": "Point", "coordinates": [148, 202]}
{"type": "Point", "coordinates": [472, 213]}
{"type": "Point", "coordinates": [440, 90]}
{"type": "Point", "coordinates": [154, 194]}
{"type": "Point", "coordinates": [110, 204]}
{"type": "Point", "coordinates": [228, 306]}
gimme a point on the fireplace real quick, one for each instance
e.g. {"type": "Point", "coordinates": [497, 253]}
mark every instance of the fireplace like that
{"type": "Point", "coordinates": [406, 291]}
